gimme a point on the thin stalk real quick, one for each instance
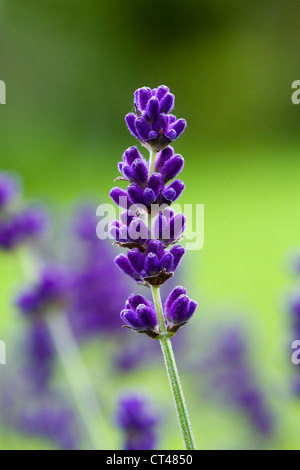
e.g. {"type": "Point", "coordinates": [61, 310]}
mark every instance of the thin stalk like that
{"type": "Point", "coordinates": [151, 162]}
{"type": "Point", "coordinates": [80, 384]}
{"type": "Point", "coordinates": [173, 375]}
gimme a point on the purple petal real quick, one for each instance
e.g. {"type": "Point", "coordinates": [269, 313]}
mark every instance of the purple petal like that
{"type": "Point", "coordinates": [151, 264]}
{"type": "Point", "coordinates": [177, 252]}
{"type": "Point", "coordinates": [136, 260]}
{"type": "Point", "coordinates": [179, 309]}
{"type": "Point", "coordinates": [123, 263]}
{"type": "Point", "coordinates": [176, 292]}
{"type": "Point", "coordinates": [136, 299]}
{"type": "Point", "coordinates": [142, 128]}
{"type": "Point", "coordinates": [152, 135]}
{"type": "Point", "coordinates": [172, 167]}
{"type": "Point", "coordinates": [167, 103]}
{"type": "Point", "coordinates": [192, 308]}
{"type": "Point", "coordinates": [149, 197]}
{"type": "Point", "coordinates": [167, 262]}
{"type": "Point", "coordinates": [130, 155]}
{"type": "Point", "coordinates": [120, 197]}
{"type": "Point", "coordinates": [144, 94]}
{"type": "Point", "coordinates": [160, 124]}
{"type": "Point", "coordinates": [135, 193]}
{"type": "Point", "coordinates": [169, 194]}
{"type": "Point", "coordinates": [152, 109]}
{"type": "Point", "coordinates": [177, 226]}
{"type": "Point", "coordinates": [130, 121]}
{"type": "Point", "coordinates": [139, 171]}
{"type": "Point", "coordinates": [126, 171]}
{"type": "Point", "coordinates": [162, 157]}
{"type": "Point", "coordinates": [156, 246]}
{"type": "Point", "coordinates": [177, 186]}
{"type": "Point", "coordinates": [131, 319]}
{"type": "Point", "coordinates": [179, 126]}
{"type": "Point", "coordinates": [156, 183]}
{"type": "Point", "coordinates": [147, 317]}
{"type": "Point", "coordinates": [161, 91]}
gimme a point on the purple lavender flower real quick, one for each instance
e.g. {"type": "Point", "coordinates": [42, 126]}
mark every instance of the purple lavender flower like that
{"type": "Point", "coordinates": [22, 227]}
{"type": "Point", "coordinates": [140, 315]}
{"type": "Point", "coordinates": [50, 292]}
{"type": "Point", "coordinates": [132, 232]}
{"type": "Point", "coordinates": [179, 309]}
{"type": "Point", "coordinates": [153, 124]}
{"type": "Point", "coordinates": [138, 422]}
{"type": "Point", "coordinates": [153, 267]}
{"type": "Point", "coordinates": [155, 193]}
{"type": "Point", "coordinates": [51, 422]}
{"type": "Point", "coordinates": [146, 190]}
{"type": "Point", "coordinates": [98, 286]}
{"type": "Point", "coordinates": [40, 356]}
{"type": "Point", "coordinates": [231, 379]}
{"type": "Point", "coordinates": [134, 167]}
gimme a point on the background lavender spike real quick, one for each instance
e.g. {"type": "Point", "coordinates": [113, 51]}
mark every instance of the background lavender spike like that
{"type": "Point", "coordinates": [137, 421]}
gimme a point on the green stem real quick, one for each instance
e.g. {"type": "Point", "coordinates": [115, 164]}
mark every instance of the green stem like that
{"type": "Point", "coordinates": [151, 162]}
{"type": "Point", "coordinates": [173, 375]}
{"type": "Point", "coordinates": [80, 384]}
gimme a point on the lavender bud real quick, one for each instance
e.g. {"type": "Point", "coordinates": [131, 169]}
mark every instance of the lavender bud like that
{"type": "Point", "coordinates": [167, 103]}
{"type": "Point", "coordinates": [179, 308]}
{"type": "Point", "coordinates": [120, 197]}
{"type": "Point", "coordinates": [130, 121]}
{"type": "Point", "coordinates": [123, 263]}
{"type": "Point", "coordinates": [172, 168]}
{"type": "Point", "coordinates": [136, 260]}
{"type": "Point", "coordinates": [162, 157]}
{"type": "Point", "coordinates": [141, 315]}
{"type": "Point", "coordinates": [138, 422]}
{"type": "Point", "coordinates": [152, 265]}
{"type": "Point", "coordinates": [177, 251]}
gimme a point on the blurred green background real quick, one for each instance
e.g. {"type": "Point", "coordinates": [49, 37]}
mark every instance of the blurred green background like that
{"type": "Point", "coordinates": [71, 68]}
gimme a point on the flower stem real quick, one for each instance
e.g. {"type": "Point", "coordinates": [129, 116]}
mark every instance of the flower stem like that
{"type": "Point", "coordinates": [151, 162]}
{"type": "Point", "coordinates": [173, 375]}
{"type": "Point", "coordinates": [80, 384]}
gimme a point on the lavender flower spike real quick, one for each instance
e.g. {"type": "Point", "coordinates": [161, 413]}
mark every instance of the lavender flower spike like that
{"type": "Point", "coordinates": [149, 260]}
{"type": "Point", "coordinates": [137, 421]}
{"type": "Point", "coordinates": [50, 292]}
{"type": "Point", "coordinates": [153, 124]}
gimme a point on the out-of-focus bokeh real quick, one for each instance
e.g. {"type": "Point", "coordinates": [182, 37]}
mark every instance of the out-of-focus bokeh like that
{"type": "Point", "coordinates": [70, 69]}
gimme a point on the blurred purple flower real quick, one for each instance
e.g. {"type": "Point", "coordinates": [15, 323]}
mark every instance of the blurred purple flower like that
{"type": "Point", "coordinates": [40, 355]}
{"type": "Point", "coordinates": [98, 286]}
{"type": "Point", "coordinates": [137, 421]}
{"type": "Point", "coordinates": [57, 425]}
{"type": "Point", "coordinates": [231, 379]}
{"type": "Point", "coordinates": [49, 293]}
{"type": "Point", "coordinates": [22, 227]}
{"type": "Point", "coordinates": [140, 315]}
